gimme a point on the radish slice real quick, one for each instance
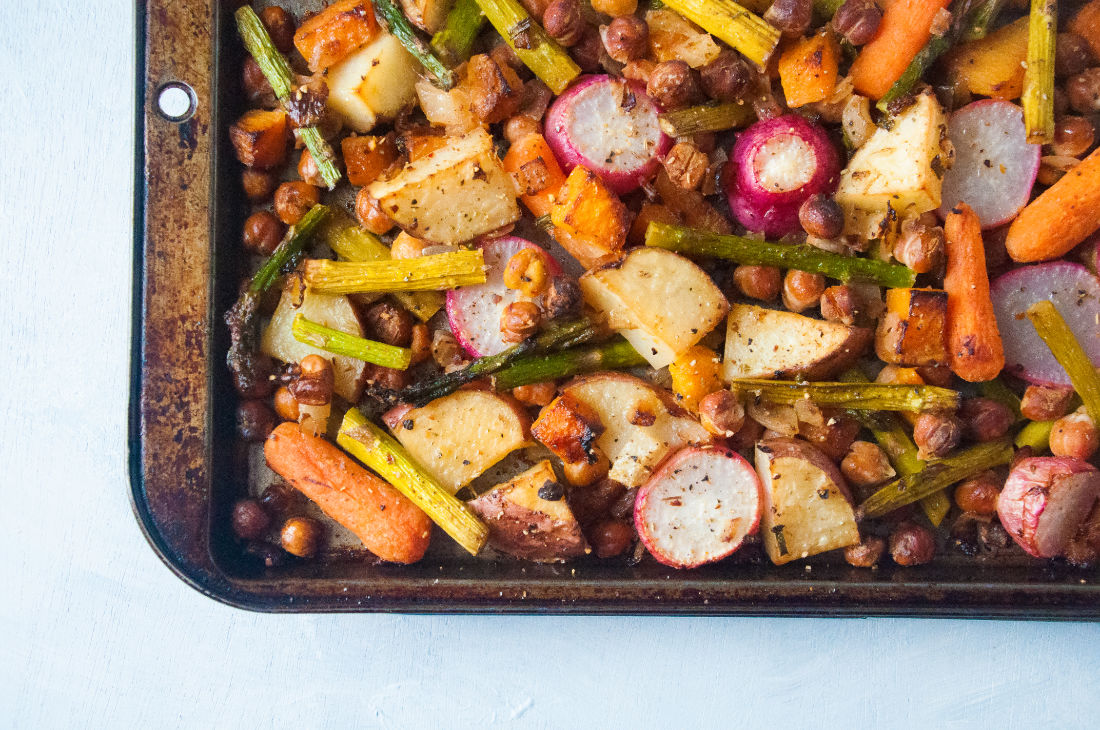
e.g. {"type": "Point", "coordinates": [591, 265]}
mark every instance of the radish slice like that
{"type": "Point", "coordinates": [775, 166]}
{"type": "Point", "coordinates": [1073, 289]}
{"type": "Point", "coordinates": [1045, 500]}
{"type": "Point", "coordinates": [474, 311]}
{"type": "Point", "coordinates": [609, 126]}
{"type": "Point", "coordinates": [698, 507]}
{"type": "Point", "coordinates": [995, 167]}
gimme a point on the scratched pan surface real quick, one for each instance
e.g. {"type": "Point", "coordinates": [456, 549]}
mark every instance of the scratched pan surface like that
{"type": "Point", "coordinates": [187, 467]}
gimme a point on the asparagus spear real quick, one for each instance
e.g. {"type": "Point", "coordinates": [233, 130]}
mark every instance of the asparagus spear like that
{"type": "Point", "coordinates": [1054, 331]}
{"type": "Point", "coordinates": [534, 46]}
{"type": "Point", "coordinates": [456, 39]}
{"type": "Point", "coordinates": [936, 475]}
{"type": "Point", "coordinates": [749, 34]}
{"type": "Point", "coordinates": [980, 19]}
{"type": "Point", "coordinates": [379, 451]}
{"type": "Point", "coordinates": [278, 74]}
{"type": "Point", "coordinates": [342, 343]}
{"type": "Point", "coordinates": [426, 273]}
{"type": "Point", "coordinates": [1038, 96]}
{"type": "Point", "coordinates": [854, 396]}
{"type": "Point", "coordinates": [706, 118]}
{"type": "Point", "coordinates": [392, 19]}
{"type": "Point", "coordinates": [787, 256]}
{"type": "Point", "coordinates": [289, 249]}
{"type": "Point", "coordinates": [614, 355]}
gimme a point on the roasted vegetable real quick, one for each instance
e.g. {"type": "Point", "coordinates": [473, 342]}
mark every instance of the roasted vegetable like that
{"type": "Point", "coordinates": [911, 331]}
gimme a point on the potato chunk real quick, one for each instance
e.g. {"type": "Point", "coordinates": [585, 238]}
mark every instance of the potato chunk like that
{"type": "Point", "coordinates": [375, 82]}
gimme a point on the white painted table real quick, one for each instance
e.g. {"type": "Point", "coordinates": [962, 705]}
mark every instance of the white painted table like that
{"type": "Point", "coordinates": [95, 632]}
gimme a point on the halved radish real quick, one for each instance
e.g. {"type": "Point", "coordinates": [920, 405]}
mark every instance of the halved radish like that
{"type": "Point", "coordinates": [775, 166]}
{"type": "Point", "coordinates": [1073, 289]}
{"type": "Point", "coordinates": [995, 167]}
{"type": "Point", "coordinates": [609, 126]}
{"type": "Point", "coordinates": [1045, 500]}
{"type": "Point", "coordinates": [698, 507]}
{"type": "Point", "coordinates": [474, 311]}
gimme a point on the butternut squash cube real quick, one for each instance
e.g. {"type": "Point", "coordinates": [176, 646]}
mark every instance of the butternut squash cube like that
{"type": "Point", "coordinates": [260, 138]}
{"type": "Point", "coordinates": [911, 332]}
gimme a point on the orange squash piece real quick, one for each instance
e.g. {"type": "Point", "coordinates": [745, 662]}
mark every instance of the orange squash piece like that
{"type": "Point", "coordinates": [808, 69]}
{"type": "Point", "coordinates": [994, 65]}
{"type": "Point", "coordinates": [332, 34]}
{"type": "Point", "coordinates": [595, 222]}
{"type": "Point", "coordinates": [260, 138]}
{"type": "Point", "coordinates": [367, 157]}
{"type": "Point", "coordinates": [569, 428]}
{"type": "Point", "coordinates": [912, 331]}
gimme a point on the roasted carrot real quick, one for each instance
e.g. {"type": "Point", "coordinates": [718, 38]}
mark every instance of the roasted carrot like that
{"type": "Point", "coordinates": [808, 69]}
{"type": "Point", "coordinates": [1087, 25]}
{"type": "Point", "coordinates": [1059, 219]}
{"type": "Point", "coordinates": [905, 29]}
{"type": "Point", "coordinates": [529, 153]}
{"type": "Point", "coordinates": [390, 525]}
{"type": "Point", "coordinates": [974, 347]}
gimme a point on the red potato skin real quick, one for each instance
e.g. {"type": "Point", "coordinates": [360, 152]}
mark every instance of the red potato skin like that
{"type": "Point", "coordinates": [527, 534]}
{"type": "Point", "coordinates": [641, 504]}
{"type": "Point", "coordinates": [783, 447]}
{"type": "Point", "coordinates": [1028, 492]}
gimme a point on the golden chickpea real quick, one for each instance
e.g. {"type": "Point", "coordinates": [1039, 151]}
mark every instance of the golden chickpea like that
{"type": "Point", "coordinates": [294, 199]}
{"type": "Point", "coordinates": [301, 536]}
{"type": "Point", "coordinates": [1074, 435]}
{"type": "Point", "coordinates": [259, 185]}
{"type": "Point", "coordinates": [979, 493]}
{"type": "Point", "coordinates": [307, 170]}
{"type": "Point", "coordinates": [866, 464]}
{"type": "Point", "coordinates": [262, 233]}
{"type": "Point", "coordinates": [280, 26]}
{"type": "Point", "coordinates": [520, 126]}
{"type": "Point", "coordinates": [405, 246]}
{"type": "Point", "coordinates": [370, 214]}
{"type": "Point", "coordinates": [420, 343]}
{"type": "Point", "coordinates": [286, 405]}
{"type": "Point", "coordinates": [314, 386]}
{"type": "Point", "coordinates": [802, 290]}
{"type": "Point", "coordinates": [758, 282]}
{"type": "Point", "coordinates": [536, 394]}
{"type": "Point", "coordinates": [519, 320]}
{"type": "Point", "coordinates": [586, 473]}
{"type": "Point", "coordinates": [615, 8]}
{"type": "Point", "coordinates": [721, 413]}
{"type": "Point", "coordinates": [526, 272]}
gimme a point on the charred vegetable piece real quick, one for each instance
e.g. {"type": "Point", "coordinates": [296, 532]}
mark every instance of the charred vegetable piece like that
{"type": "Point", "coordinates": [911, 332]}
{"type": "Point", "coordinates": [288, 250]}
{"type": "Point", "coordinates": [377, 449]}
{"type": "Point", "coordinates": [569, 428]}
{"type": "Point", "coordinates": [538, 51]}
{"type": "Point", "coordinates": [259, 138]}
{"type": "Point", "coordinates": [592, 216]}
{"type": "Point", "coordinates": [342, 343]}
{"type": "Point", "coordinates": [426, 273]}
{"type": "Point", "coordinates": [749, 34]}
{"type": "Point", "coordinates": [332, 34]}
{"type": "Point", "coordinates": [853, 396]}
{"type": "Point", "coordinates": [1045, 500]}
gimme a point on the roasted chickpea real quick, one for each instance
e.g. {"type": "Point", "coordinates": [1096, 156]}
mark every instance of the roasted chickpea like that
{"type": "Point", "coordinates": [562, 20]}
{"type": "Point", "coordinates": [1040, 403]}
{"type": "Point", "coordinates": [834, 436]}
{"type": "Point", "coordinates": [758, 282]}
{"type": "Point", "coordinates": [920, 247]}
{"type": "Point", "coordinates": [897, 375]}
{"type": "Point", "coordinates": [979, 493]}
{"type": "Point", "coordinates": [307, 170]}
{"type": "Point", "coordinates": [615, 8]}
{"type": "Point", "coordinates": [255, 420]}
{"type": "Point", "coordinates": [1083, 91]}
{"type": "Point", "coordinates": [294, 199]}
{"type": "Point", "coordinates": [526, 273]}
{"type": "Point", "coordinates": [446, 351]}
{"type": "Point", "coordinates": [610, 538]}
{"type": "Point", "coordinates": [520, 126]}
{"type": "Point", "coordinates": [936, 435]}
{"type": "Point", "coordinates": [727, 78]}
{"type": "Point", "coordinates": [519, 320]}
{"type": "Point", "coordinates": [405, 246]}
{"type": "Point", "coordinates": [842, 304]}
{"type": "Point", "coordinates": [1074, 435]}
{"type": "Point", "coordinates": [1073, 136]}
{"type": "Point", "coordinates": [672, 85]}
{"type": "Point", "coordinates": [420, 342]}
{"type": "Point", "coordinates": [249, 519]}
{"type": "Point", "coordinates": [938, 375]}
{"type": "Point", "coordinates": [301, 536]}
{"type": "Point", "coordinates": [792, 17]}
{"type": "Point", "coordinates": [591, 503]}
{"type": "Point", "coordinates": [587, 472]}
{"type": "Point", "coordinates": [258, 185]}
{"type": "Point", "coordinates": [279, 498]}
{"type": "Point", "coordinates": [314, 386]}
{"type": "Point", "coordinates": [866, 464]}
{"type": "Point", "coordinates": [821, 217]}
{"type": "Point", "coordinates": [389, 323]}
{"type": "Point", "coordinates": [626, 38]}
{"type": "Point", "coordinates": [912, 544]}
{"type": "Point", "coordinates": [536, 394]}
{"type": "Point", "coordinates": [586, 51]}
{"type": "Point", "coordinates": [721, 413]}
{"type": "Point", "coordinates": [802, 290]}
{"type": "Point", "coordinates": [256, 86]}
{"type": "Point", "coordinates": [866, 554]}
{"type": "Point", "coordinates": [286, 405]}
{"type": "Point", "coordinates": [985, 419]}
{"type": "Point", "coordinates": [262, 233]}
{"type": "Point", "coordinates": [858, 21]}
{"type": "Point", "coordinates": [1072, 55]}
{"type": "Point", "coordinates": [383, 377]}
{"type": "Point", "coordinates": [370, 214]}
{"type": "Point", "coordinates": [280, 26]}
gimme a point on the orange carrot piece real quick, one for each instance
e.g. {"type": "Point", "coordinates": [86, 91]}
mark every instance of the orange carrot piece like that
{"type": "Point", "coordinates": [1059, 219]}
{"type": "Point", "coordinates": [390, 525]}
{"type": "Point", "coordinates": [808, 69]}
{"type": "Point", "coordinates": [332, 34]}
{"type": "Point", "coordinates": [1087, 25]}
{"type": "Point", "coordinates": [367, 157]}
{"type": "Point", "coordinates": [974, 348]}
{"type": "Point", "coordinates": [905, 29]}
{"type": "Point", "coordinates": [531, 149]}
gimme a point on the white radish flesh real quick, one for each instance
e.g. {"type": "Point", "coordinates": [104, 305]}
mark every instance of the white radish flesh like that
{"type": "Point", "coordinates": [698, 507]}
{"type": "Point", "coordinates": [1073, 289]}
{"type": "Point", "coordinates": [994, 167]}
{"type": "Point", "coordinates": [1046, 500]}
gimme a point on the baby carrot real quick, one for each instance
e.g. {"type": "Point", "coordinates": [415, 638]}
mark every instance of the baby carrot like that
{"type": "Point", "coordinates": [390, 526]}
{"type": "Point", "coordinates": [974, 347]}
{"type": "Point", "coordinates": [905, 29]}
{"type": "Point", "coordinates": [1059, 219]}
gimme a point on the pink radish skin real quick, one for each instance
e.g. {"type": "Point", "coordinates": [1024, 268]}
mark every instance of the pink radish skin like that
{"type": "Point", "coordinates": [994, 167]}
{"type": "Point", "coordinates": [609, 126]}
{"type": "Point", "coordinates": [474, 311]}
{"type": "Point", "coordinates": [1045, 500]}
{"type": "Point", "coordinates": [774, 167]}
{"type": "Point", "coordinates": [395, 415]}
{"type": "Point", "coordinates": [698, 507]}
{"type": "Point", "coordinates": [1073, 289]}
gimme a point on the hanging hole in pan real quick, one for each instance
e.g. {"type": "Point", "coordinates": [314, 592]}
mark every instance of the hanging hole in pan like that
{"type": "Point", "coordinates": [176, 101]}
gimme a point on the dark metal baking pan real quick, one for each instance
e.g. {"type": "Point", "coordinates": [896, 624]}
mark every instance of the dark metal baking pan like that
{"type": "Point", "coordinates": [185, 471]}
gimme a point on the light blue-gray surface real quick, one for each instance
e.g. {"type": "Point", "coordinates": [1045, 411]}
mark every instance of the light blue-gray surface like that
{"type": "Point", "coordinates": [94, 632]}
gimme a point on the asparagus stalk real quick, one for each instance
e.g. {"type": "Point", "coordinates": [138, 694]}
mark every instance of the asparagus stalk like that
{"type": "Point", "coordinates": [996, 390]}
{"type": "Point", "coordinates": [534, 46]}
{"type": "Point", "coordinates": [1035, 435]}
{"type": "Point", "coordinates": [706, 118]}
{"type": "Point", "coordinates": [277, 72]}
{"type": "Point", "coordinates": [981, 19]}
{"type": "Point", "coordinates": [392, 19]}
{"type": "Point", "coordinates": [787, 256]}
{"type": "Point", "coordinates": [379, 451]}
{"type": "Point", "coordinates": [854, 396]}
{"type": "Point", "coordinates": [937, 475]}
{"type": "Point", "coordinates": [565, 334]}
{"type": "Point", "coordinates": [615, 355]}
{"type": "Point", "coordinates": [289, 249]}
{"type": "Point", "coordinates": [342, 343]}
{"type": "Point", "coordinates": [352, 242]}
{"type": "Point", "coordinates": [749, 34]}
{"type": "Point", "coordinates": [426, 273]}
{"type": "Point", "coordinates": [1038, 97]}
{"type": "Point", "coordinates": [456, 39]}
{"type": "Point", "coordinates": [1048, 322]}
